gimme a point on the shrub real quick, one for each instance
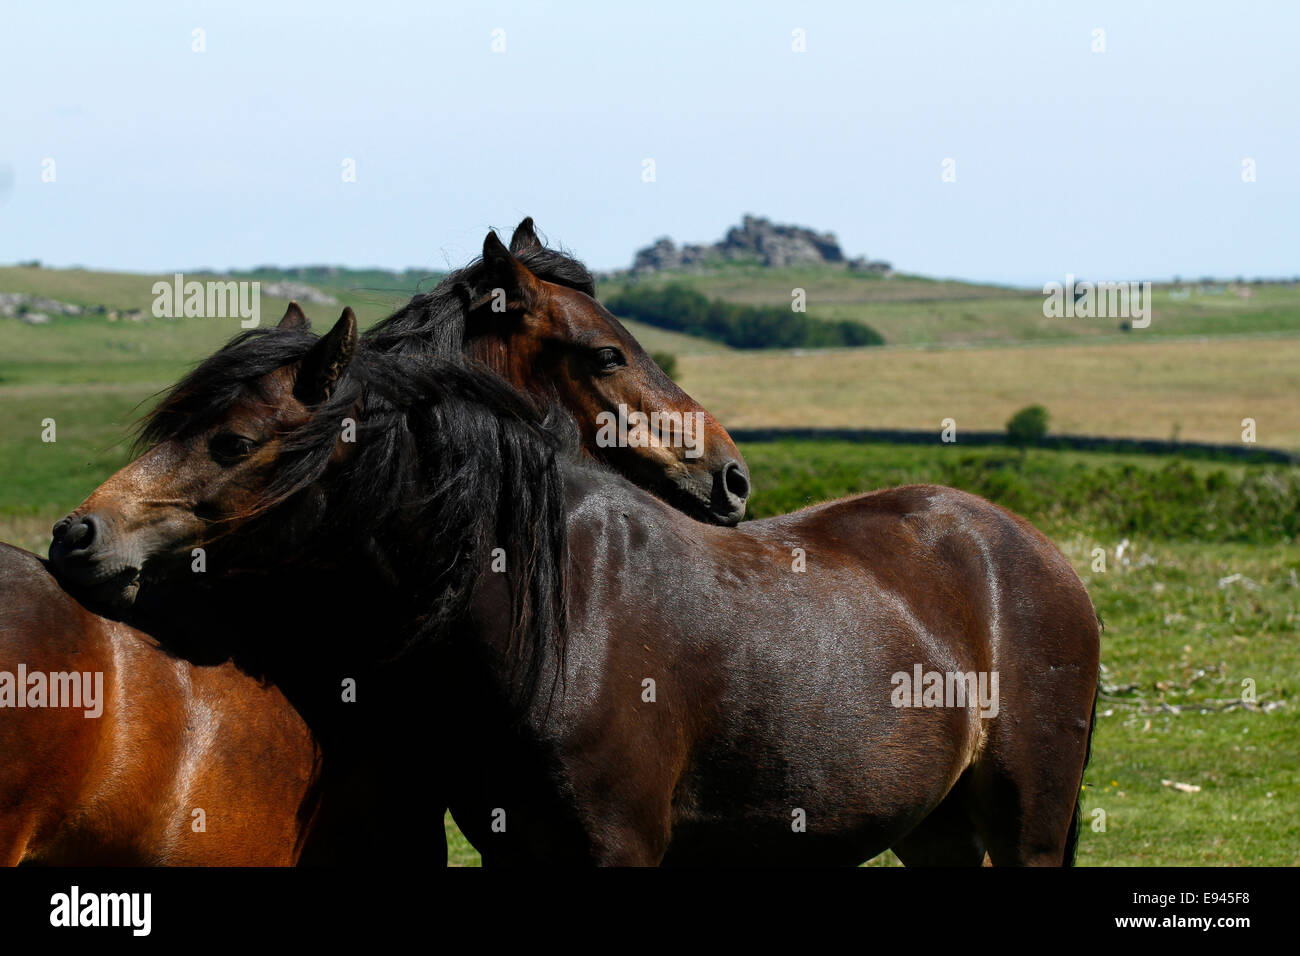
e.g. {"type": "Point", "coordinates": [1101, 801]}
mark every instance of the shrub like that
{"type": "Point", "coordinates": [1028, 426]}
{"type": "Point", "coordinates": [666, 361]}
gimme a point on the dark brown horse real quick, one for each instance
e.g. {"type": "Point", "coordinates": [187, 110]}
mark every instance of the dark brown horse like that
{"type": "Point", "coordinates": [181, 722]}
{"type": "Point", "coordinates": [601, 678]}
{"type": "Point", "coordinates": [529, 314]}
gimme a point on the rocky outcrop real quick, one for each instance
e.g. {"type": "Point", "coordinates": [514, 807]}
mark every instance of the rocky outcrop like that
{"type": "Point", "coordinates": [37, 310]}
{"type": "Point", "coordinates": [876, 266]}
{"type": "Point", "coordinates": [19, 304]}
{"type": "Point", "coordinates": [778, 246]}
{"type": "Point", "coordinates": [755, 240]}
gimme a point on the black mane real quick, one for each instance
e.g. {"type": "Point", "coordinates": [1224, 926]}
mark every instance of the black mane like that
{"type": "Point", "coordinates": [449, 463]}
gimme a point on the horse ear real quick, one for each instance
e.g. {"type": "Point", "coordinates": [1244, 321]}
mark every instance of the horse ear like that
{"type": "Point", "coordinates": [505, 280]}
{"type": "Point", "coordinates": [525, 238]}
{"type": "Point", "coordinates": [324, 365]}
{"type": "Point", "coordinates": [294, 318]}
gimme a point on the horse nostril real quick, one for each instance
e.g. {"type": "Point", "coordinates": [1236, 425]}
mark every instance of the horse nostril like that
{"type": "Point", "coordinates": [735, 480]}
{"type": "Point", "coordinates": [730, 490]}
{"type": "Point", "coordinates": [76, 534]}
{"type": "Point", "coordinates": [60, 529]}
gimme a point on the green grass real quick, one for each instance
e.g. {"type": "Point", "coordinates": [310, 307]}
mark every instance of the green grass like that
{"type": "Point", "coordinates": [92, 348]}
{"type": "Point", "coordinates": [906, 310]}
{"type": "Point", "coordinates": [1177, 644]}
{"type": "Point", "coordinates": [1064, 492]}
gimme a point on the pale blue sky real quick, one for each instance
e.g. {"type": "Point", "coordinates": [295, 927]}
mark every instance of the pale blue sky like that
{"type": "Point", "coordinates": [1124, 164]}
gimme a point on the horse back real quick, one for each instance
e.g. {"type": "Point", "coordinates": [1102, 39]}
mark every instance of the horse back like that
{"type": "Point", "coordinates": [959, 558]}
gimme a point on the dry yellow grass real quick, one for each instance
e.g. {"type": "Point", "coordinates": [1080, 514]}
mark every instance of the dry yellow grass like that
{"type": "Point", "coordinates": [31, 532]}
{"type": "Point", "coordinates": [1199, 390]}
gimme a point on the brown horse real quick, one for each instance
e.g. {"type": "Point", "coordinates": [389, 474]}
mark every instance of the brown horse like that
{"type": "Point", "coordinates": [530, 315]}
{"type": "Point", "coordinates": [182, 764]}
{"type": "Point", "coordinates": [601, 678]}
{"type": "Point", "coordinates": [242, 781]}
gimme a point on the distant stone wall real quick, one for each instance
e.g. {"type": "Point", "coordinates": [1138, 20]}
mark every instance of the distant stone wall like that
{"type": "Point", "coordinates": [911, 436]}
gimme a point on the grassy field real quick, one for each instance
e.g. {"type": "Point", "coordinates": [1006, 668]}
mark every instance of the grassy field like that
{"type": "Point", "coordinates": [173, 343]}
{"type": "Point", "coordinates": [1201, 588]}
{"type": "Point", "coordinates": [1156, 388]}
{"type": "Point", "coordinates": [911, 310]}
{"type": "Point", "coordinates": [1195, 374]}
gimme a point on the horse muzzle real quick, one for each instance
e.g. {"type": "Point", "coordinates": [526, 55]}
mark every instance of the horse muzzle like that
{"type": "Point", "coordinates": [718, 497]}
{"type": "Point", "coordinates": [85, 554]}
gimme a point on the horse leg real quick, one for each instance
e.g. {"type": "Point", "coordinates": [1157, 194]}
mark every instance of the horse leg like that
{"type": "Point", "coordinates": [1048, 653]}
{"type": "Point", "coordinates": [948, 836]}
{"type": "Point", "coordinates": [1026, 803]}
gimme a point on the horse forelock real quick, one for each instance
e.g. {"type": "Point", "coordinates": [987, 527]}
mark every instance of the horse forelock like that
{"type": "Point", "coordinates": [213, 387]}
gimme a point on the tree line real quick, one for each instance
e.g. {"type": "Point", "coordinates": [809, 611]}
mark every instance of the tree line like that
{"type": "Point", "coordinates": [682, 309]}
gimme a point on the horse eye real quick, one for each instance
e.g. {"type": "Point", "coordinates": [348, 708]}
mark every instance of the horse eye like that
{"type": "Point", "coordinates": [609, 359]}
{"type": "Point", "coordinates": [228, 448]}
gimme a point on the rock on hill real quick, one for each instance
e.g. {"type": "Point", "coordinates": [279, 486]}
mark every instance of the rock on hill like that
{"type": "Point", "coordinates": [755, 240]}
